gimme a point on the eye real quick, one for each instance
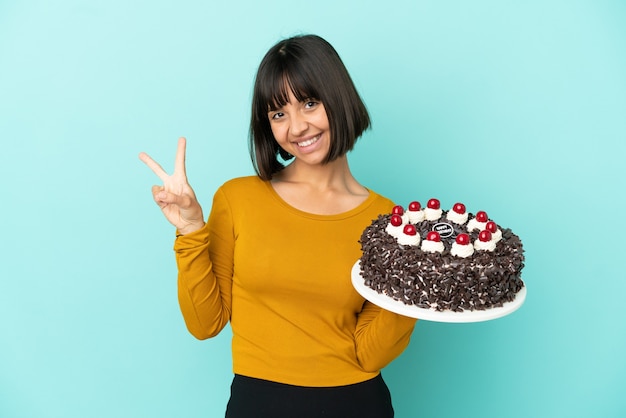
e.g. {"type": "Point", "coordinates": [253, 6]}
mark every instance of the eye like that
{"type": "Point", "coordinates": [276, 115]}
{"type": "Point", "coordinates": [310, 104]}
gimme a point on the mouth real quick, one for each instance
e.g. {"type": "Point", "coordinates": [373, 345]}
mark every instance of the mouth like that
{"type": "Point", "coordinates": [309, 141]}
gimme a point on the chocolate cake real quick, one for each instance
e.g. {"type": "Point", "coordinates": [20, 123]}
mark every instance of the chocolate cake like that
{"type": "Point", "coordinates": [442, 260]}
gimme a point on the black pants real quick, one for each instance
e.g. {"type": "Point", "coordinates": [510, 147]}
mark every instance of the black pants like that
{"type": "Point", "coordinates": [256, 398]}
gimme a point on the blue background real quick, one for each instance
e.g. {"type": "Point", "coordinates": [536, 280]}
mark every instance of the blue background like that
{"type": "Point", "coordinates": [518, 108]}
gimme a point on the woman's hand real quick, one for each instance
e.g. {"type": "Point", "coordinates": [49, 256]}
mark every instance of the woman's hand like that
{"type": "Point", "coordinates": [176, 197]}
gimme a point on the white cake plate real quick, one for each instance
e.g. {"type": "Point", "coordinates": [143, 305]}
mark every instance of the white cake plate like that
{"type": "Point", "coordinates": [412, 311]}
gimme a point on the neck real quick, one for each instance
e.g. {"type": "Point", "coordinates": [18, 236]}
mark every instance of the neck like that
{"type": "Point", "coordinates": [321, 189]}
{"type": "Point", "coordinates": [333, 175]}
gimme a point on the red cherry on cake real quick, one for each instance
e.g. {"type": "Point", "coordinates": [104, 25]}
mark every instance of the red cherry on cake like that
{"type": "Point", "coordinates": [481, 216]}
{"type": "Point", "coordinates": [415, 206]}
{"type": "Point", "coordinates": [396, 220]}
{"type": "Point", "coordinates": [433, 204]}
{"type": "Point", "coordinates": [463, 239]}
{"type": "Point", "coordinates": [491, 227]}
{"type": "Point", "coordinates": [433, 236]}
{"type": "Point", "coordinates": [409, 229]}
{"type": "Point", "coordinates": [459, 208]}
{"type": "Point", "coordinates": [397, 210]}
{"type": "Point", "coordinates": [484, 236]}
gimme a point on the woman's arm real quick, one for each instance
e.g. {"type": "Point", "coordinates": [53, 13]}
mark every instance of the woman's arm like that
{"type": "Point", "coordinates": [204, 301]}
{"type": "Point", "coordinates": [205, 307]}
{"type": "Point", "coordinates": [381, 336]}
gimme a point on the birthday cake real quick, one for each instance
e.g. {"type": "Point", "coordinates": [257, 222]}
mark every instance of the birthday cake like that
{"type": "Point", "coordinates": [442, 260]}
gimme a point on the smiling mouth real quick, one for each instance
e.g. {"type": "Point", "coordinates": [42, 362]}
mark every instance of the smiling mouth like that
{"type": "Point", "coordinates": [309, 141]}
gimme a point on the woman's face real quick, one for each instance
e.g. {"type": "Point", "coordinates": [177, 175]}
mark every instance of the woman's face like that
{"type": "Point", "coordinates": [302, 129]}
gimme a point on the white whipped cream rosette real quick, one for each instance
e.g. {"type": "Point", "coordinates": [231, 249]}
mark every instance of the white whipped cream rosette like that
{"type": "Point", "coordinates": [432, 214]}
{"type": "Point", "coordinates": [432, 246]}
{"type": "Point", "coordinates": [432, 211]}
{"type": "Point", "coordinates": [414, 213]}
{"type": "Point", "coordinates": [409, 236]}
{"type": "Point", "coordinates": [394, 231]}
{"type": "Point", "coordinates": [479, 222]}
{"type": "Point", "coordinates": [413, 216]}
{"type": "Point", "coordinates": [405, 239]}
{"type": "Point", "coordinates": [485, 241]}
{"type": "Point", "coordinates": [395, 226]}
{"type": "Point", "coordinates": [432, 243]}
{"type": "Point", "coordinates": [457, 214]}
{"type": "Point", "coordinates": [457, 218]}
{"type": "Point", "coordinates": [462, 246]}
{"type": "Point", "coordinates": [496, 233]}
{"type": "Point", "coordinates": [462, 250]}
{"type": "Point", "coordinates": [485, 245]}
{"type": "Point", "coordinates": [473, 225]}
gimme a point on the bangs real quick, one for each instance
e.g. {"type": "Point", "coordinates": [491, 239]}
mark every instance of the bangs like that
{"type": "Point", "coordinates": [274, 91]}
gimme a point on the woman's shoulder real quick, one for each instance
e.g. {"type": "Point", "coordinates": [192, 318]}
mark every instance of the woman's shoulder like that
{"type": "Point", "coordinates": [243, 187]}
{"type": "Point", "coordinates": [379, 203]}
{"type": "Point", "coordinates": [244, 182]}
{"type": "Point", "coordinates": [380, 199]}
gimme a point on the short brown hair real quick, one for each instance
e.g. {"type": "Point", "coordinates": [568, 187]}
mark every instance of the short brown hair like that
{"type": "Point", "coordinates": [311, 68]}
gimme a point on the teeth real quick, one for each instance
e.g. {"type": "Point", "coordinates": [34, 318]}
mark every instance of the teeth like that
{"type": "Point", "coordinates": [308, 142]}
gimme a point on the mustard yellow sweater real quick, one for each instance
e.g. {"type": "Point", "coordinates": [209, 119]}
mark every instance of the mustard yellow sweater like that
{"type": "Point", "coordinates": [282, 278]}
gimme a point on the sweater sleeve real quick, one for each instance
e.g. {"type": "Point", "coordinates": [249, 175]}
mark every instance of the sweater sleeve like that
{"type": "Point", "coordinates": [381, 336]}
{"type": "Point", "coordinates": [204, 260]}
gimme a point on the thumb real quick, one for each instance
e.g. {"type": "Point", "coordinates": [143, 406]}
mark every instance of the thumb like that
{"type": "Point", "coordinates": [164, 198]}
{"type": "Point", "coordinates": [161, 197]}
{"type": "Point", "coordinates": [158, 193]}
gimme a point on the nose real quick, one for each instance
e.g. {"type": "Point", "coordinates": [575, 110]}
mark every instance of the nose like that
{"type": "Point", "coordinates": [298, 124]}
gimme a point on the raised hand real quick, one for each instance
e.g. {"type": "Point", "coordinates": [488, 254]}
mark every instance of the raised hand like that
{"type": "Point", "coordinates": [176, 197]}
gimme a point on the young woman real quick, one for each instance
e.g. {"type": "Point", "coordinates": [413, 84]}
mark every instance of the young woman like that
{"type": "Point", "coordinates": [275, 255]}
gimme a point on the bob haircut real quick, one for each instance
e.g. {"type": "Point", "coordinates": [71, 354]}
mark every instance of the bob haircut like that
{"type": "Point", "coordinates": [311, 68]}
